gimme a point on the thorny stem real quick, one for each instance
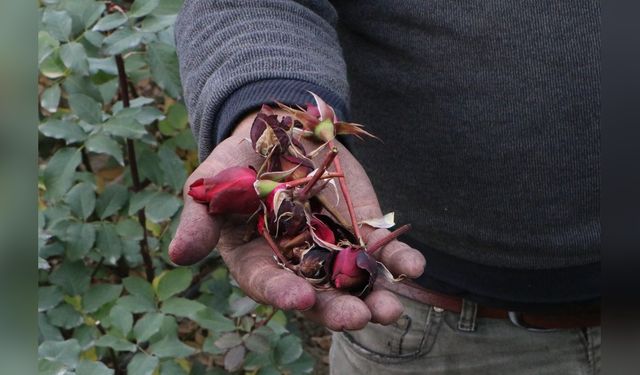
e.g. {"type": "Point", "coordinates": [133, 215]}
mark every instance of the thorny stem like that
{"type": "Point", "coordinates": [135, 176]}
{"type": "Point", "coordinates": [275, 249]}
{"type": "Point", "coordinates": [304, 194]}
{"type": "Point", "coordinates": [347, 198]}
{"type": "Point", "coordinates": [372, 248]}
{"type": "Point", "coordinates": [304, 180]}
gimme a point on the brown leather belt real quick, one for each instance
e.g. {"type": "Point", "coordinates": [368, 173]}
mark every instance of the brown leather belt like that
{"type": "Point", "coordinates": [567, 317]}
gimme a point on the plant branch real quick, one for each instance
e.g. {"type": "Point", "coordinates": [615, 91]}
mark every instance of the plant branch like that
{"type": "Point", "coordinates": [347, 197]}
{"type": "Point", "coordinates": [304, 194]}
{"type": "Point", "coordinates": [135, 176]}
{"type": "Point", "coordinates": [388, 238]}
{"type": "Point", "coordinates": [275, 249]}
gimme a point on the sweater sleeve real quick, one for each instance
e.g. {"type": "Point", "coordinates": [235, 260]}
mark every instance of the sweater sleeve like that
{"type": "Point", "coordinates": [235, 55]}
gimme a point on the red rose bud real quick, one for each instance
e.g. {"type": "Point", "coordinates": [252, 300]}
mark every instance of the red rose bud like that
{"type": "Point", "coordinates": [354, 270]}
{"type": "Point", "coordinates": [323, 231]}
{"type": "Point", "coordinates": [229, 192]}
{"type": "Point", "coordinates": [315, 264]}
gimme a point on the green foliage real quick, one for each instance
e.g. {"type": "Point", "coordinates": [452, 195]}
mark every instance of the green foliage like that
{"type": "Point", "coordinates": [97, 312]}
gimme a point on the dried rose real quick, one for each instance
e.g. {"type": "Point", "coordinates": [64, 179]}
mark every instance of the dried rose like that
{"type": "Point", "coordinates": [354, 270]}
{"type": "Point", "coordinates": [229, 192]}
{"type": "Point", "coordinates": [316, 264]}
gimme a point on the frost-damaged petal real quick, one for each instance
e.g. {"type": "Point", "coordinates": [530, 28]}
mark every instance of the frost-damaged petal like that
{"type": "Point", "coordinates": [326, 112]}
{"type": "Point", "coordinates": [385, 222]}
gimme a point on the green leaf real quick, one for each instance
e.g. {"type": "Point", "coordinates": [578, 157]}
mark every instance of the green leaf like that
{"type": "Point", "coordinates": [94, 37]}
{"type": "Point", "coordinates": [142, 364]}
{"type": "Point", "coordinates": [136, 304]}
{"type": "Point", "coordinates": [93, 368]}
{"type": "Point", "coordinates": [214, 321]}
{"type": "Point", "coordinates": [140, 200]}
{"type": "Point", "coordinates": [228, 341]}
{"type": "Point", "coordinates": [257, 343]}
{"type": "Point", "coordinates": [172, 282]}
{"type": "Point", "coordinates": [72, 277]}
{"type": "Point", "coordinates": [99, 295]}
{"type": "Point", "coordinates": [234, 358]}
{"type": "Point", "coordinates": [270, 370]}
{"type": "Point", "coordinates": [46, 367]}
{"type": "Point", "coordinates": [153, 24]}
{"type": "Point", "coordinates": [149, 165]}
{"type": "Point", "coordinates": [168, 7]}
{"type": "Point", "coordinates": [110, 22]}
{"type": "Point", "coordinates": [61, 129]}
{"type": "Point", "coordinates": [171, 367]}
{"type": "Point", "coordinates": [256, 361]}
{"type": "Point", "coordinates": [52, 66]}
{"type": "Point", "coordinates": [141, 8]}
{"type": "Point", "coordinates": [58, 175]}
{"type": "Point", "coordinates": [50, 98]}
{"type": "Point", "coordinates": [111, 200]}
{"type": "Point", "coordinates": [86, 336]}
{"type": "Point", "coordinates": [148, 114]}
{"type": "Point", "coordinates": [121, 40]}
{"type": "Point", "coordinates": [108, 243]}
{"type": "Point", "coordinates": [46, 45]}
{"type": "Point", "coordinates": [303, 365]}
{"type": "Point", "coordinates": [74, 57]}
{"type": "Point", "coordinates": [288, 349]}
{"type": "Point", "coordinates": [148, 326]}
{"type": "Point", "coordinates": [129, 229]}
{"type": "Point", "coordinates": [82, 200]}
{"type": "Point", "coordinates": [86, 108]}
{"type": "Point", "coordinates": [116, 343]}
{"type": "Point", "coordinates": [175, 120]}
{"type": "Point", "coordinates": [46, 330]}
{"type": "Point", "coordinates": [102, 144]}
{"type": "Point", "coordinates": [163, 62]}
{"type": "Point", "coordinates": [75, 84]}
{"type": "Point", "coordinates": [57, 24]}
{"type": "Point", "coordinates": [171, 347]}
{"type": "Point", "coordinates": [79, 240]}
{"type": "Point", "coordinates": [43, 264]}
{"type": "Point", "coordinates": [182, 307]}
{"type": "Point", "coordinates": [66, 352]}
{"type": "Point", "coordinates": [162, 206]}
{"type": "Point", "coordinates": [139, 287]}
{"type": "Point", "coordinates": [175, 173]}
{"type": "Point", "coordinates": [124, 124]}
{"type": "Point", "coordinates": [121, 318]}
{"type": "Point", "coordinates": [242, 306]}
{"type": "Point", "coordinates": [84, 13]}
{"type": "Point", "coordinates": [106, 65]}
{"type": "Point", "coordinates": [49, 297]}
{"type": "Point", "coordinates": [64, 316]}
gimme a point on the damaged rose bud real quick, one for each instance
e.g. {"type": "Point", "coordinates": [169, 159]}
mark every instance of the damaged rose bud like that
{"type": "Point", "coordinates": [316, 264]}
{"type": "Point", "coordinates": [354, 271]}
{"type": "Point", "coordinates": [229, 192]}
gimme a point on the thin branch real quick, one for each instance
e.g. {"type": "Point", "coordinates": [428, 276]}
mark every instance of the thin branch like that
{"type": "Point", "coordinates": [135, 176]}
{"type": "Point", "coordinates": [372, 248]}
{"type": "Point", "coordinates": [347, 197]}
{"type": "Point", "coordinates": [304, 194]}
{"type": "Point", "coordinates": [276, 250]}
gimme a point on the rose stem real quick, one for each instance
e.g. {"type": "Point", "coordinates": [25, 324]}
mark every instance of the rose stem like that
{"type": "Point", "coordinates": [275, 249]}
{"type": "Point", "coordinates": [388, 238]}
{"type": "Point", "coordinates": [304, 180]}
{"type": "Point", "coordinates": [347, 198]}
{"type": "Point", "coordinates": [332, 210]}
{"type": "Point", "coordinates": [304, 194]}
{"type": "Point", "coordinates": [297, 240]}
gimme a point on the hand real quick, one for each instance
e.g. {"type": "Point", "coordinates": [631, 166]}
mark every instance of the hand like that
{"type": "Point", "coordinates": [252, 264]}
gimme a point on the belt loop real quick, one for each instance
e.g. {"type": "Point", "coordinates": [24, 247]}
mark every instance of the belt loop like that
{"type": "Point", "coordinates": [468, 312]}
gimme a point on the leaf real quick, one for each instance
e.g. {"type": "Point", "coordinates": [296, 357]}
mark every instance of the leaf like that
{"type": "Point", "coordinates": [93, 368]}
{"type": "Point", "coordinates": [270, 370]}
{"type": "Point", "coordinates": [136, 304]}
{"type": "Point", "coordinates": [385, 222]}
{"type": "Point", "coordinates": [228, 341]}
{"type": "Point", "coordinates": [46, 330]}
{"type": "Point", "coordinates": [99, 295]}
{"type": "Point", "coordinates": [50, 98]}
{"type": "Point", "coordinates": [74, 57]}
{"type": "Point", "coordinates": [52, 66]}
{"type": "Point", "coordinates": [162, 206]}
{"type": "Point", "coordinates": [175, 120]}
{"type": "Point", "coordinates": [139, 287]}
{"type": "Point", "coordinates": [257, 343]}
{"type": "Point", "coordinates": [82, 200]}
{"type": "Point", "coordinates": [234, 358]}
{"type": "Point", "coordinates": [288, 349]}
{"type": "Point", "coordinates": [148, 326]}
{"type": "Point", "coordinates": [48, 297]}
{"type": "Point", "coordinates": [163, 63]}
{"type": "Point", "coordinates": [79, 239]}
{"type": "Point", "coordinates": [214, 321]}
{"type": "Point", "coordinates": [46, 45]}
{"type": "Point", "coordinates": [175, 173]}
{"type": "Point", "coordinates": [142, 364]}
{"type": "Point", "coordinates": [86, 108]}
{"type": "Point", "coordinates": [121, 318]}
{"type": "Point", "coordinates": [46, 367]}
{"type": "Point", "coordinates": [121, 40]}
{"type": "Point", "coordinates": [139, 200]}
{"type": "Point", "coordinates": [72, 277]}
{"type": "Point", "coordinates": [111, 200]}
{"type": "Point", "coordinates": [61, 129]}
{"type": "Point", "coordinates": [110, 22]}
{"type": "Point", "coordinates": [124, 124]}
{"type": "Point", "coordinates": [108, 243]}
{"type": "Point", "coordinates": [172, 282]}
{"type": "Point", "coordinates": [182, 307]}
{"type": "Point", "coordinates": [154, 24]}
{"type": "Point", "coordinates": [303, 365]}
{"type": "Point", "coordinates": [170, 346]}
{"type": "Point", "coordinates": [116, 343]}
{"type": "Point", "coordinates": [242, 306]}
{"type": "Point", "coordinates": [66, 352]}
{"type": "Point", "coordinates": [75, 84]}
{"type": "Point", "coordinates": [129, 229]}
{"type": "Point", "coordinates": [64, 316]}
{"type": "Point", "coordinates": [103, 144]}
{"type": "Point", "coordinates": [59, 172]}
{"type": "Point", "coordinates": [57, 24]}
{"type": "Point", "coordinates": [141, 8]}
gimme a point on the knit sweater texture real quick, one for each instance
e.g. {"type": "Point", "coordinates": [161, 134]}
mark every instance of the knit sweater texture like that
{"type": "Point", "coordinates": [488, 111]}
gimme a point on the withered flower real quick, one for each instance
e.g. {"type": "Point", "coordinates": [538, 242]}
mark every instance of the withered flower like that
{"type": "Point", "coordinates": [354, 271]}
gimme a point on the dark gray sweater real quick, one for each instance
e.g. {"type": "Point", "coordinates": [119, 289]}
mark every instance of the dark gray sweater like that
{"type": "Point", "coordinates": [488, 109]}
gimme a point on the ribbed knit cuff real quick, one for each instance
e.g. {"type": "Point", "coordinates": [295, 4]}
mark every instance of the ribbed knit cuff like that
{"type": "Point", "coordinates": [250, 97]}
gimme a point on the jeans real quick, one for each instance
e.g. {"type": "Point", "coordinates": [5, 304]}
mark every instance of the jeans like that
{"type": "Point", "coordinates": [428, 340]}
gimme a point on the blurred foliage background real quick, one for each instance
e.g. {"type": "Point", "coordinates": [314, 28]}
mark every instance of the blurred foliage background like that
{"type": "Point", "coordinates": [114, 151]}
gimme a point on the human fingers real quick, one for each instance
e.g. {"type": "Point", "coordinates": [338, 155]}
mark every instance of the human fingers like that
{"type": "Point", "coordinates": [384, 306]}
{"type": "Point", "coordinates": [339, 311]}
{"type": "Point", "coordinates": [397, 256]}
